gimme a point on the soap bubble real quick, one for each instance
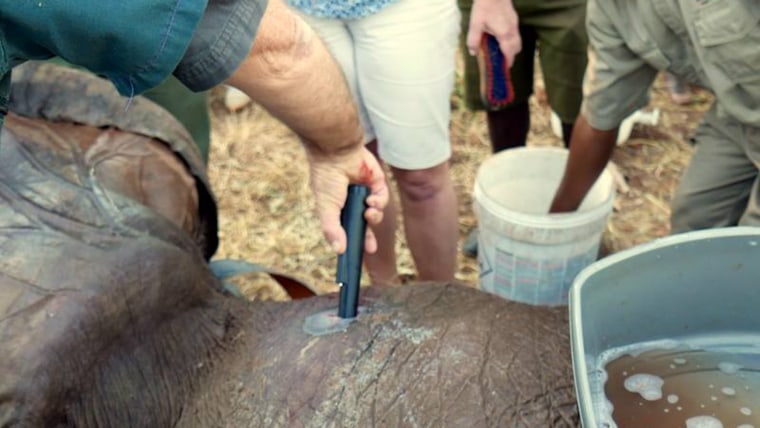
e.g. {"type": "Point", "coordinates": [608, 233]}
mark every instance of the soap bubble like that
{"type": "Point", "coordinates": [703, 422]}
{"type": "Point", "coordinates": [729, 368]}
{"type": "Point", "coordinates": [647, 385]}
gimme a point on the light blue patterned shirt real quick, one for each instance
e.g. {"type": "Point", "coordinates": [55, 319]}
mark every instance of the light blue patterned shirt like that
{"type": "Point", "coordinates": [340, 9]}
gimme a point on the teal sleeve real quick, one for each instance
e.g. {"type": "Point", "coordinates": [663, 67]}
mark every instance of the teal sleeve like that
{"type": "Point", "coordinates": [134, 43]}
{"type": "Point", "coordinates": [221, 42]}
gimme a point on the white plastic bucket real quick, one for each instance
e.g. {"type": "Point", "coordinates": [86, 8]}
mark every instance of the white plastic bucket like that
{"type": "Point", "coordinates": [526, 254]}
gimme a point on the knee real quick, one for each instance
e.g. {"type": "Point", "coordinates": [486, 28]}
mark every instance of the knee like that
{"type": "Point", "coordinates": [423, 184]}
{"type": "Point", "coordinates": [680, 216]}
{"type": "Point", "coordinates": [690, 211]}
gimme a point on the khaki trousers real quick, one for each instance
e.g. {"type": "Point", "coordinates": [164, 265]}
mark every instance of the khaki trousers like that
{"type": "Point", "coordinates": [721, 186]}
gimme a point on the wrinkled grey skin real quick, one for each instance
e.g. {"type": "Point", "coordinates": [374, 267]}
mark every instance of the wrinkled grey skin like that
{"type": "Point", "coordinates": [110, 317]}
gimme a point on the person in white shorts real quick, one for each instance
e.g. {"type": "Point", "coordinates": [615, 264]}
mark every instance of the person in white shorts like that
{"type": "Point", "coordinates": [398, 57]}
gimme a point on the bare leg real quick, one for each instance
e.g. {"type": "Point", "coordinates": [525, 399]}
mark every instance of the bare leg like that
{"type": "Point", "coordinates": [381, 266]}
{"type": "Point", "coordinates": [429, 208]}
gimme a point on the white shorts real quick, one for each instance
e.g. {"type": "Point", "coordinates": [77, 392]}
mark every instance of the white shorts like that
{"type": "Point", "coordinates": [399, 64]}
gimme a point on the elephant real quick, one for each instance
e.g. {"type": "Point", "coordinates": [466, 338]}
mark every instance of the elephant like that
{"type": "Point", "coordinates": [110, 315]}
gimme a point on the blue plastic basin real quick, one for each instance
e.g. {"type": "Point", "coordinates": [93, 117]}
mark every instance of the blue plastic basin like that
{"type": "Point", "coordinates": [693, 284]}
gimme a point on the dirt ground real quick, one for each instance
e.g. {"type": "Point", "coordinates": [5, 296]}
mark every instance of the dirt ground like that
{"type": "Point", "coordinates": [258, 171]}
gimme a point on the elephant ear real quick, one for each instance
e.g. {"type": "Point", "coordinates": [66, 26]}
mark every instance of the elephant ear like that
{"type": "Point", "coordinates": [59, 94]}
{"type": "Point", "coordinates": [98, 280]}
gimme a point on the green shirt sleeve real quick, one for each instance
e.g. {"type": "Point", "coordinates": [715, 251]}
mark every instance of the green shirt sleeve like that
{"type": "Point", "coordinates": [617, 80]}
{"type": "Point", "coordinates": [134, 43]}
{"type": "Point", "coordinates": [221, 41]}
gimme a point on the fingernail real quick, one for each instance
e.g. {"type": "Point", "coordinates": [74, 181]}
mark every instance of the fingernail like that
{"type": "Point", "coordinates": [336, 246]}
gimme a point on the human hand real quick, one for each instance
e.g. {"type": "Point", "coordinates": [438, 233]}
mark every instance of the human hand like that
{"type": "Point", "coordinates": [590, 151]}
{"type": "Point", "coordinates": [563, 203]}
{"type": "Point", "coordinates": [330, 175]}
{"type": "Point", "coordinates": [498, 18]}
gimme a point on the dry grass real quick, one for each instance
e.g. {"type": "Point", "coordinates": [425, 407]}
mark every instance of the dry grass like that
{"type": "Point", "coordinates": [258, 170]}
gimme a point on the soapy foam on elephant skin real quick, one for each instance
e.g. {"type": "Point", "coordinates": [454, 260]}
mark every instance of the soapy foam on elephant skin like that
{"type": "Point", "coordinates": [691, 382]}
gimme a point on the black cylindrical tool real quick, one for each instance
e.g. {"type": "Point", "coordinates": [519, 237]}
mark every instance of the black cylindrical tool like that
{"type": "Point", "coordinates": [350, 262]}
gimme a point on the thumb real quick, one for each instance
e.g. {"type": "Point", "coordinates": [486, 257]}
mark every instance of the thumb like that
{"type": "Point", "coordinates": [329, 219]}
{"type": "Point", "coordinates": [510, 47]}
{"type": "Point", "coordinates": [474, 37]}
{"type": "Point", "coordinates": [329, 206]}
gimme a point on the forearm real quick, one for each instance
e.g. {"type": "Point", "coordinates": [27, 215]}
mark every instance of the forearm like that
{"type": "Point", "coordinates": [291, 74]}
{"type": "Point", "coordinates": [590, 150]}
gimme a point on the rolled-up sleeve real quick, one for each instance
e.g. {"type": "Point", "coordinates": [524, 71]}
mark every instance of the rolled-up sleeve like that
{"type": "Point", "coordinates": [221, 41]}
{"type": "Point", "coordinates": [617, 81]}
{"type": "Point", "coordinates": [134, 43]}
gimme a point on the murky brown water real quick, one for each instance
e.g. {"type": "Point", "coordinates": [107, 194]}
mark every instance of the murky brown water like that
{"type": "Point", "coordinates": [684, 387]}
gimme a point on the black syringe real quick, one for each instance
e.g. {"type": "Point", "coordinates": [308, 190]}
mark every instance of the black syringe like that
{"type": "Point", "coordinates": [349, 272]}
